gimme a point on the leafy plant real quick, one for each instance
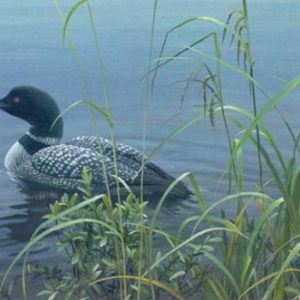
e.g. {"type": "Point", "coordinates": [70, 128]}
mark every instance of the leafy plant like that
{"type": "Point", "coordinates": [91, 234]}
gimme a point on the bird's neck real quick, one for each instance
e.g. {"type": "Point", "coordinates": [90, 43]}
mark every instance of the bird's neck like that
{"type": "Point", "coordinates": [43, 135]}
{"type": "Point", "coordinates": [25, 147]}
{"type": "Point", "coordinates": [33, 143]}
{"type": "Point", "coordinates": [50, 127]}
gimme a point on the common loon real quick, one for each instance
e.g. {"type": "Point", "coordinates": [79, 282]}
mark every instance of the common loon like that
{"type": "Point", "coordinates": [39, 157]}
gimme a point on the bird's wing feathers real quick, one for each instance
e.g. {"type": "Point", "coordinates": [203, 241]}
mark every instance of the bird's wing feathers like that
{"type": "Point", "coordinates": [126, 156]}
{"type": "Point", "coordinates": [67, 161]}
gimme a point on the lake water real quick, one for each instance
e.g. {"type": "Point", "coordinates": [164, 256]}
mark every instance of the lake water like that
{"type": "Point", "coordinates": [32, 53]}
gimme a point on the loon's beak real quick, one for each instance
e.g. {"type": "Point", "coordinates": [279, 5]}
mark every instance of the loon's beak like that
{"type": "Point", "coordinates": [3, 103]}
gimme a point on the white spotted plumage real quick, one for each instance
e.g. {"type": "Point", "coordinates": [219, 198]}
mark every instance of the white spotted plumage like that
{"type": "Point", "coordinates": [61, 166]}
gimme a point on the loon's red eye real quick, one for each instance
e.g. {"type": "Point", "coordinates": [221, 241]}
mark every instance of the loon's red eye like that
{"type": "Point", "coordinates": [16, 99]}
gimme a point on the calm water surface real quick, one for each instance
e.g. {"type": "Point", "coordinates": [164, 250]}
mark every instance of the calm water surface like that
{"type": "Point", "coordinates": [32, 53]}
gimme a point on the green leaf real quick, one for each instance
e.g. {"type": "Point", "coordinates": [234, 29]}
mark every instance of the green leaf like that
{"type": "Point", "coordinates": [208, 248]}
{"type": "Point", "coordinates": [79, 236]}
{"type": "Point", "coordinates": [75, 257]}
{"type": "Point", "coordinates": [44, 293]}
{"type": "Point", "coordinates": [56, 208]}
{"type": "Point", "coordinates": [215, 240]}
{"type": "Point", "coordinates": [177, 274]}
{"type": "Point", "coordinates": [73, 200]}
{"type": "Point", "coordinates": [53, 296]}
{"type": "Point", "coordinates": [62, 245]}
{"type": "Point", "coordinates": [103, 242]}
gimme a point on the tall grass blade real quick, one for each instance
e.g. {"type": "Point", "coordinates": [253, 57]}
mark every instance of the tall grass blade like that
{"type": "Point", "coordinates": [227, 273]}
{"type": "Point", "coordinates": [105, 113]}
{"type": "Point", "coordinates": [229, 198]}
{"type": "Point", "coordinates": [148, 281]}
{"type": "Point", "coordinates": [294, 253]}
{"type": "Point", "coordinates": [70, 13]}
{"type": "Point", "coordinates": [186, 242]}
{"type": "Point", "coordinates": [267, 108]}
{"type": "Point", "coordinates": [253, 237]}
{"type": "Point", "coordinates": [267, 278]}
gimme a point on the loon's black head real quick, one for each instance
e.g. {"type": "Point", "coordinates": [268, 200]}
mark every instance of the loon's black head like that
{"type": "Point", "coordinates": [36, 107]}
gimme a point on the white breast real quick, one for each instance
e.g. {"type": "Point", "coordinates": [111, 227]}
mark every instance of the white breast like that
{"type": "Point", "coordinates": [15, 156]}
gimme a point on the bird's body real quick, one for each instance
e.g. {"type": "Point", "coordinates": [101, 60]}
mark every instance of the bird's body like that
{"type": "Point", "coordinates": [39, 156]}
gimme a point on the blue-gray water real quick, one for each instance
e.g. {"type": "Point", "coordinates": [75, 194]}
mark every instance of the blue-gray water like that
{"type": "Point", "coordinates": [32, 53]}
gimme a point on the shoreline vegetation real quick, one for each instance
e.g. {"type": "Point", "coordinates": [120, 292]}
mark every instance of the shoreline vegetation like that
{"type": "Point", "coordinates": [112, 248]}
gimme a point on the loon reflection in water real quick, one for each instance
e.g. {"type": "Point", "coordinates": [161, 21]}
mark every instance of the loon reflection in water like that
{"type": "Point", "coordinates": [39, 157]}
{"type": "Point", "coordinates": [24, 217]}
